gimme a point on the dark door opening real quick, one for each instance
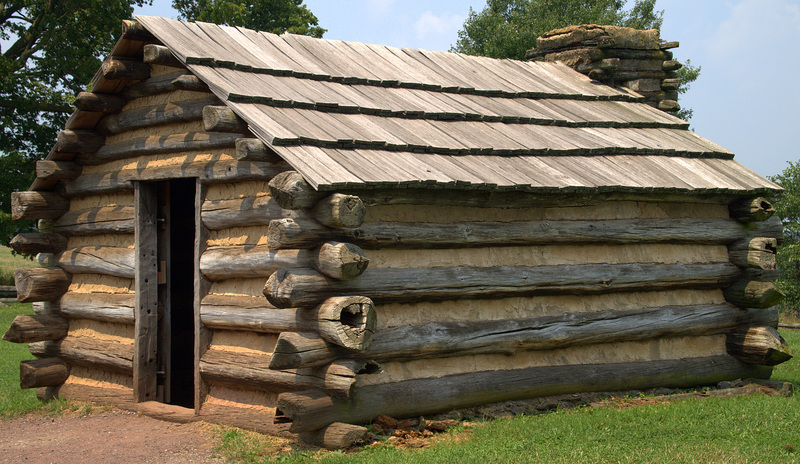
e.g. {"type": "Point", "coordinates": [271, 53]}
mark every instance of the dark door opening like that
{"type": "Point", "coordinates": [176, 234]}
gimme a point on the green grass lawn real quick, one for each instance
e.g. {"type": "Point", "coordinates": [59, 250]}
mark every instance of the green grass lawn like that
{"type": "Point", "coordinates": [9, 262]}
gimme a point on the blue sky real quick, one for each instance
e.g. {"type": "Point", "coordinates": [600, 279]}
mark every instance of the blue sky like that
{"type": "Point", "coordinates": [747, 98]}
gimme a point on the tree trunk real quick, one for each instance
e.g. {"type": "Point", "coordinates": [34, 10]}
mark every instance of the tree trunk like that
{"type": "Point", "coordinates": [304, 233]}
{"type": "Point", "coordinates": [95, 221]}
{"type": "Point", "coordinates": [36, 328]}
{"type": "Point", "coordinates": [306, 287]}
{"type": "Point", "coordinates": [108, 307]}
{"type": "Point", "coordinates": [114, 261]}
{"type": "Point", "coordinates": [291, 191]}
{"type": "Point", "coordinates": [42, 373]}
{"type": "Point", "coordinates": [99, 102]}
{"type": "Point", "coordinates": [41, 284]}
{"type": "Point", "coordinates": [37, 205]}
{"type": "Point", "coordinates": [38, 242]}
{"type": "Point", "coordinates": [758, 345]}
{"type": "Point", "coordinates": [313, 410]}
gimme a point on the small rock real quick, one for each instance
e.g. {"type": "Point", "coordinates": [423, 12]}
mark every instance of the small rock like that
{"type": "Point", "coordinates": [385, 422]}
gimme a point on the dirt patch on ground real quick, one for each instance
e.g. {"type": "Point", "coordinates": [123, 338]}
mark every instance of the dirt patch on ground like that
{"type": "Point", "coordinates": [113, 436]}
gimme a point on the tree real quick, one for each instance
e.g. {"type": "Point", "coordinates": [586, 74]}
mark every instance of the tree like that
{"type": "Point", "coordinates": [508, 28]}
{"type": "Point", "coordinates": [788, 209]}
{"type": "Point", "coordinates": [274, 16]}
{"type": "Point", "coordinates": [55, 48]}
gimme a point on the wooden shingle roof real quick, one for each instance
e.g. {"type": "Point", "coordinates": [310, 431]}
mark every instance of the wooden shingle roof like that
{"type": "Point", "coordinates": [352, 115]}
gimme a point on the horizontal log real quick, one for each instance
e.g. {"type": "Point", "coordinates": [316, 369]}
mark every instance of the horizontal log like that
{"type": "Point", "coordinates": [669, 105]}
{"type": "Point", "coordinates": [37, 205]}
{"type": "Point", "coordinates": [510, 336]}
{"type": "Point", "coordinates": [253, 149]}
{"type": "Point", "coordinates": [336, 436]}
{"type": "Point", "coordinates": [207, 171]}
{"type": "Point", "coordinates": [751, 209]}
{"type": "Point", "coordinates": [88, 352]}
{"type": "Point", "coordinates": [155, 115]}
{"type": "Point", "coordinates": [220, 118]}
{"type": "Point", "coordinates": [99, 102]}
{"type": "Point", "coordinates": [306, 349]}
{"type": "Point", "coordinates": [38, 242]}
{"type": "Point", "coordinates": [300, 233]}
{"type": "Point", "coordinates": [46, 307]}
{"type": "Point", "coordinates": [79, 141]}
{"type": "Point", "coordinates": [159, 54]}
{"type": "Point", "coordinates": [36, 328]}
{"type": "Point", "coordinates": [47, 259]}
{"type": "Point", "coordinates": [95, 221]}
{"type": "Point", "coordinates": [671, 65]}
{"type": "Point", "coordinates": [57, 170]}
{"type": "Point", "coordinates": [41, 284]}
{"type": "Point", "coordinates": [191, 83]}
{"type": "Point", "coordinates": [334, 259]}
{"type": "Point", "coordinates": [343, 321]}
{"type": "Point", "coordinates": [312, 410]}
{"type": "Point", "coordinates": [339, 211]}
{"type": "Point", "coordinates": [306, 287]}
{"type": "Point", "coordinates": [156, 145]}
{"type": "Point", "coordinates": [114, 261]}
{"type": "Point", "coordinates": [133, 30]}
{"type": "Point", "coordinates": [291, 191]}
{"type": "Point", "coordinates": [758, 345]}
{"type": "Point", "coordinates": [242, 212]}
{"type": "Point", "coordinates": [239, 369]}
{"type": "Point", "coordinates": [758, 252]}
{"type": "Point", "coordinates": [155, 85]}
{"type": "Point", "coordinates": [121, 69]}
{"type": "Point", "coordinates": [769, 228]}
{"type": "Point", "coordinates": [42, 373]}
{"type": "Point", "coordinates": [748, 293]}
{"type": "Point", "coordinates": [107, 307]}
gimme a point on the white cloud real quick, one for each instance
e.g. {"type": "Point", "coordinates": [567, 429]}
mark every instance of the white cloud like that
{"type": "Point", "coordinates": [430, 27]}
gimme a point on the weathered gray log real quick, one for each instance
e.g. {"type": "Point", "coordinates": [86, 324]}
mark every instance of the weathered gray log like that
{"type": "Point", "coordinates": [103, 220]}
{"type": "Point", "coordinates": [222, 119]}
{"type": "Point", "coordinates": [38, 242]}
{"type": "Point", "coordinates": [108, 307]}
{"type": "Point", "coordinates": [344, 321]}
{"type": "Point", "coordinates": [669, 105]}
{"type": "Point", "coordinates": [46, 307]}
{"type": "Point", "coordinates": [336, 436]}
{"type": "Point", "coordinates": [748, 293]}
{"type": "Point", "coordinates": [242, 212]}
{"type": "Point", "coordinates": [334, 259]}
{"type": "Point", "coordinates": [313, 410]}
{"type": "Point", "coordinates": [147, 300]}
{"type": "Point", "coordinates": [339, 211]}
{"type": "Point", "coordinates": [751, 209]}
{"type": "Point", "coordinates": [36, 328]}
{"type": "Point", "coordinates": [155, 145]}
{"type": "Point", "coordinates": [88, 352]}
{"type": "Point", "coordinates": [671, 84]}
{"type": "Point", "coordinates": [306, 287]}
{"type": "Point", "coordinates": [770, 228]}
{"type": "Point", "coordinates": [758, 252]}
{"type": "Point", "coordinates": [672, 65]}
{"type": "Point", "coordinates": [133, 30]}
{"type": "Point", "coordinates": [208, 171]}
{"type": "Point", "coordinates": [304, 233]}
{"type": "Point", "coordinates": [159, 54]}
{"type": "Point", "coordinates": [114, 261]}
{"type": "Point", "coordinates": [155, 85]}
{"type": "Point", "coordinates": [121, 69]}
{"type": "Point", "coordinates": [291, 191]}
{"type": "Point", "coordinates": [42, 373]}
{"type": "Point", "coordinates": [41, 283]}
{"type": "Point", "coordinates": [239, 369]}
{"type": "Point", "coordinates": [758, 345]}
{"type": "Point", "coordinates": [510, 336]}
{"type": "Point", "coordinates": [57, 170]}
{"type": "Point", "coordinates": [253, 149]}
{"type": "Point", "coordinates": [37, 205]}
{"type": "Point", "coordinates": [8, 291]}
{"type": "Point", "coordinates": [99, 102]}
{"type": "Point", "coordinates": [79, 141]}
{"type": "Point", "coordinates": [155, 115]}
{"type": "Point", "coordinates": [47, 259]}
{"type": "Point", "coordinates": [191, 83]}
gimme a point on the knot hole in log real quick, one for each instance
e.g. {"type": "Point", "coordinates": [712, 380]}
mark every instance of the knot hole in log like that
{"type": "Point", "coordinates": [348, 321]}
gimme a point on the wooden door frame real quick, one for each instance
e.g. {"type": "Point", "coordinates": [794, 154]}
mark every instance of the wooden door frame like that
{"type": "Point", "coordinates": [145, 359]}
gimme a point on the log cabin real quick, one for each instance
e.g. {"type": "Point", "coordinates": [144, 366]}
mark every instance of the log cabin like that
{"type": "Point", "coordinates": [295, 235]}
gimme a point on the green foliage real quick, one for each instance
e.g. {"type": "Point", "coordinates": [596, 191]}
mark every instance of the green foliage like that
{"type": "Point", "coordinates": [687, 74]}
{"type": "Point", "coordinates": [788, 209]}
{"type": "Point", "coordinates": [508, 28]}
{"type": "Point", "coordinates": [55, 49]}
{"type": "Point", "coordinates": [274, 16]}
{"type": "Point", "coordinates": [13, 400]}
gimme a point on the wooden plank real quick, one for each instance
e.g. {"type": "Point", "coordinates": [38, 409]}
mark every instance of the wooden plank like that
{"type": "Point", "coordinates": [202, 335]}
{"type": "Point", "coordinates": [145, 365]}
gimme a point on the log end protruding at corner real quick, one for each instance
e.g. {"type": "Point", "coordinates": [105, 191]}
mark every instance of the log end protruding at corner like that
{"type": "Point", "coordinates": [348, 321]}
{"type": "Point", "coordinates": [751, 209]}
{"type": "Point", "coordinates": [758, 345]}
{"type": "Point", "coordinates": [291, 191]}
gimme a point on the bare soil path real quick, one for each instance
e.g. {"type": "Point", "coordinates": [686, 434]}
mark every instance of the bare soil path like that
{"type": "Point", "coordinates": [113, 436]}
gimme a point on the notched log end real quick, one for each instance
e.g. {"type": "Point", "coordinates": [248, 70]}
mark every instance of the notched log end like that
{"type": "Point", "coordinates": [348, 322]}
{"type": "Point", "coordinates": [291, 191]}
{"type": "Point", "coordinates": [340, 211]}
{"type": "Point", "coordinates": [751, 209]}
{"type": "Point", "coordinates": [758, 345]}
{"type": "Point", "coordinates": [342, 261]}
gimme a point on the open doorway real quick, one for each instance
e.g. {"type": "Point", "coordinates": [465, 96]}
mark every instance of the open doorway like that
{"type": "Point", "coordinates": [165, 235]}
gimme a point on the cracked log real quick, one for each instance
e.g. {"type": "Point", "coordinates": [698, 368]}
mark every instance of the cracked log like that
{"type": "Point", "coordinates": [38, 242]}
{"type": "Point", "coordinates": [44, 372]}
{"type": "Point", "coordinates": [41, 283]}
{"type": "Point", "coordinates": [37, 205]}
{"type": "Point", "coordinates": [36, 328]}
{"type": "Point", "coordinates": [114, 261]}
{"type": "Point", "coordinates": [758, 345]}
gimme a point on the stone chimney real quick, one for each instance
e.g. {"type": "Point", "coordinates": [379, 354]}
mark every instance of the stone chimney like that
{"type": "Point", "coordinates": [632, 58]}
